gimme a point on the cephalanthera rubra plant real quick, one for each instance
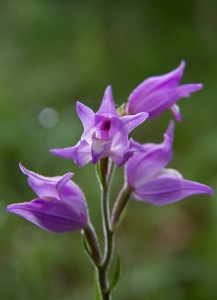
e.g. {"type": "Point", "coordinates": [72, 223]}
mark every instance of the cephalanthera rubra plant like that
{"type": "Point", "coordinates": [60, 205]}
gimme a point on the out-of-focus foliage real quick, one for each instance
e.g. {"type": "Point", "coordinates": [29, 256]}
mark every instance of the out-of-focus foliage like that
{"type": "Point", "coordinates": [55, 52]}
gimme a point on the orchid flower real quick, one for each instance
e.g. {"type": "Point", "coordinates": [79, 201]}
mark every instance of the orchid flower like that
{"type": "Point", "coordinates": [59, 207]}
{"type": "Point", "coordinates": [157, 94]}
{"type": "Point", "coordinates": [105, 134]}
{"type": "Point", "coordinates": [150, 181]}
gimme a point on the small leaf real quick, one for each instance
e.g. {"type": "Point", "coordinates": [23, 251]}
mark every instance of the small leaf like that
{"type": "Point", "coordinates": [117, 274]}
{"type": "Point", "coordinates": [98, 295]}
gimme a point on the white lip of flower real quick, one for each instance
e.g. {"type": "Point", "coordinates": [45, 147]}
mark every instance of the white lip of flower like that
{"type": "Point", "coordinates": [99, 145]}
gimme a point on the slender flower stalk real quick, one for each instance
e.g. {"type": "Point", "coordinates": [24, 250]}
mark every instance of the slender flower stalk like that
{"type": "Point", "coordinates": [92, 239]}
{"type": "Point", "coordinates": [119, 206]}
{"type": "Point", "coordinates": [108, 234]}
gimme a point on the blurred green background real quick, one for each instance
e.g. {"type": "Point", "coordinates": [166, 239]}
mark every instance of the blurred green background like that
{"type": "Point", "coordinates": [53, 53]}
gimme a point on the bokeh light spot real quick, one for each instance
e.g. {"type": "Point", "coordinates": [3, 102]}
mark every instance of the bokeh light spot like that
{"type": "Point", "coordinates": [48, 117]}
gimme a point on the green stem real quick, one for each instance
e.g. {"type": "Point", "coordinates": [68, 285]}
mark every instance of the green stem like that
{"type": "Point", "coordinates": [119, 206]}
{"type": "Point", "coordinates": [105, 180]}
{"type": "Point", "coordinates": [103, 284]}
{"type": "Point", "coordinates": [95, 252]}
{"type": "Point", "coordinates": [105, 171]}
{"type": "Point", "coordinates": [111, 173]}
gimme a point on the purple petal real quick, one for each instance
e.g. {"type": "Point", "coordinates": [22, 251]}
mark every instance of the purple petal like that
{"type": "Point", "coordinates": [148, 86]}
{"type": "Point", "coordinates": [162, 100]}
{"type": "Point", "coordinates": [107, 106]}
{"type": "Point", "coordinates": [147, 147]}
{"type": "Point", "coordinates": [71, 194]}
{"type": "Point", "coordinates": [157, 94]}
{"type": "Point", "coordinates": [169, 188]}
{"type": "Point", "coordinates": [62, 182]}
{"type": "Point", "coordinates": [118, 135]}
{"type": "Point", "coordinates": [44, 187]}
{"type": "Point", "coordinates": [169, 135]}
{"type": "Point", "coordinates": [80, 154]}
{"type": "Point", "coordinates": [52, 215]}
{"type": "Point", "coordinates": [144, 148]}
{"type": "Point", "coordinates": [131, 121]}
{"type": "Point", "coordinates": [120, 157]}
{"type": "Point", "coordinates": [86, 115]}
{"type": "Point", "coordinates": [146, 164]}
{"type": "Point", "coordinates": [69, 152]}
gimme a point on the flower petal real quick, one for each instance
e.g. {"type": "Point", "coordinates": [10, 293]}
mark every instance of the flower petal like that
{"type": "Point", "coordinates": [157, 94]}
{"type": "Point", "coordinates": [131, 121]}
{"type": "Point", "coordinates": [162, 100]}
{"type": "Point", "coordinates": [44, 187]}
{"type": "Point", "coordinates": [86, 115]}
{"type": "Point", "coordinates": [138, 97]}
{"type": "Point", "coordinates": [144, 165]}
{"type": "Point", "coordinates": [147, 147]}
{"type": "Point", "coordinates": [120, 157]}
{"type": "Point", "coordinates": [52, 215]}
{"type": "Point", "coordinates": [71, 194]}
{"type": "Point", "coordinates": [169, 188]}
{"type": "Point", "coordinates": [80, 154]}
{"type": "Point", "coordinates": [107, 106]}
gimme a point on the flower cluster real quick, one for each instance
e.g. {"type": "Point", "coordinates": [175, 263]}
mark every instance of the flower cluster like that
{"type": "Point", "coordinates": [61, 205]}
